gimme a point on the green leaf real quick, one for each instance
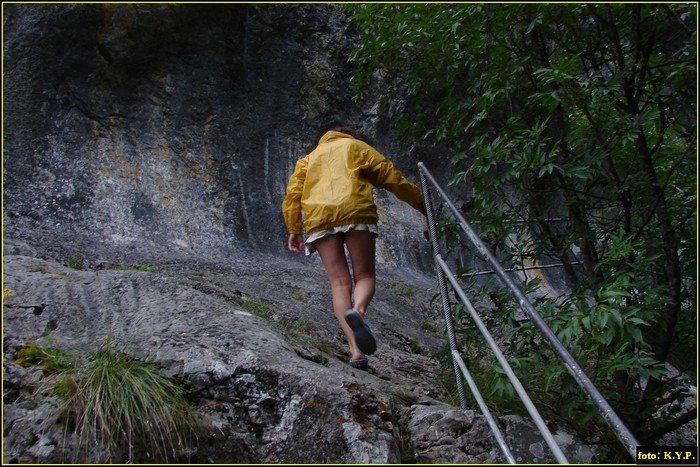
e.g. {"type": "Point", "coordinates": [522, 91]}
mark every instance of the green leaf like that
{"type": "Point", "coordinates": [635, 333]}
{"type": "Point", "coordinates": [616, 316]}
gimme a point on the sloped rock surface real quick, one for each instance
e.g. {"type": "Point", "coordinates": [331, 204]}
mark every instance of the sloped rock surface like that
{"type": "Point", "coordinates": [262, 388]}
{"type": "Point", "coordinates": [266, 391]}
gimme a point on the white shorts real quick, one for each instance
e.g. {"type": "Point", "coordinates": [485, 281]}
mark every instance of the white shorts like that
{"type": "Point", "coordinates": [310, 248]}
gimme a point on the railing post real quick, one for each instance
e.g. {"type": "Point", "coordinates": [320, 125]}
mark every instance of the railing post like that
{"type": "Point", "coordinates": [447, 310]}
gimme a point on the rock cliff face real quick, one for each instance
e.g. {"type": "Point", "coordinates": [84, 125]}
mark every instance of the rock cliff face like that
{"type": "Point", "coordinates": [153, 134]}
{"type": "Point", "coordinates": [171, 130]}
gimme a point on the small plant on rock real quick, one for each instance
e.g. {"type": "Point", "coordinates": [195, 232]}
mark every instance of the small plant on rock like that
{"type": "Point", "coordinates": [124, 405]}
{"type": "Point", "coordinates": [51, 360]}
{"type": "Point", "coordinates": [75, 261]}
{"type": "Point", "coordinates": [259, 307]}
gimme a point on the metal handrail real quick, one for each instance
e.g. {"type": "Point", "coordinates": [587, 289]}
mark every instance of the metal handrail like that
{"type": "Point", "coordinates": [606, 411]}
{"type": "Point", "coordinates": [519, 269]}
{"type": "Point", "coordinates": [444, 271]}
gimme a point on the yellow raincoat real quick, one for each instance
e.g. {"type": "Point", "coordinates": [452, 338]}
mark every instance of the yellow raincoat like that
{"type": "Point", "coordinates": [333, 185]}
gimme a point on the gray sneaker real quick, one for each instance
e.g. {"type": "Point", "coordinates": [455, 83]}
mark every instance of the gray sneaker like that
{"type": "Point", "coordinates": [363, 335]}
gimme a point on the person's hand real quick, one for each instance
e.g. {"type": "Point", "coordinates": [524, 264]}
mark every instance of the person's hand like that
{"type": "Point", "coordinates": [295, 243]}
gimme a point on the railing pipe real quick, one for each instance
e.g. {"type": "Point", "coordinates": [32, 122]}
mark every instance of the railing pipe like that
{"type": "Point", "coordinates": [484, 408]}
{"type": "Point", "coordinates": [520, 269]}
{"type": "Point", "coordinates": [606, 411]}
{"type": "Point", "coordinates": [447, 311]}
{"type": "Point", "coordinates": [527, 402]}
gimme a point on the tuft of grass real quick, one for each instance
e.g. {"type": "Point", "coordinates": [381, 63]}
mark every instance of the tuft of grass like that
{"type": "Point", "coordinates": [399, 398]}
{"type": "Point", "coordinates": [407, 292]}
{"type": "Point", "coordinates": [37, 269]}
{"type": "Point", "coordinates": [326, 346]}
{"type": "Point", "coordinates": [51, 360]}
{"type": "Point", "coordinates": [416, 347]}
{"type": "Point", "coordinates": [298, 330]}
{"type": "Point", "coordinates": [117, 402]}
{"type": "Point", "coordinates": [63, 278]}
{"type": "Point", "coordinates": [301, 331]}
{"type": "Point", "coordinates": [429, 325]}
{"type": "Point", "coordinates": [65, 388]}
{"type": "Point", "coordinates": [75, 261]}
{"type": "Point", "coordinates": [258, 307]}
{"type": "Point", "coordinates": [120, 403]}
{"type": "Point", "coordinates": [302, 326]}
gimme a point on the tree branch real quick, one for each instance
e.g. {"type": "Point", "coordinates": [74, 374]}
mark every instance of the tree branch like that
{"type": "Point", "coordinates": [672, 425]}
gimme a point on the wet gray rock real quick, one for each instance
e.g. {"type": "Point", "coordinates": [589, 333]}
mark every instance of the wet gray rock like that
{"type": "Point", "coordinates": [151, 131]}
{"type": "Point", "coordinates": [444, 434]}
{"type": "Point", "coordinates": [265, 392]}
{"type": "Point", "coordinates": [261, 387]}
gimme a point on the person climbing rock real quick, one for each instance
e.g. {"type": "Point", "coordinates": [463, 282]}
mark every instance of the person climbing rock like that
{"type": "Point", "coordinates": [330, 197]}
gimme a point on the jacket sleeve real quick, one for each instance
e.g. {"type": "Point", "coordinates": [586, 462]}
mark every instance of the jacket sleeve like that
{"type": "Point", "coordinates": [291, 206]}
{"type": "Point", "coordinates": [382, 174]}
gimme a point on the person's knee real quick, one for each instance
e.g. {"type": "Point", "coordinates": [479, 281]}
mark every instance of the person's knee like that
{"type": "Point", "coordinates": [342, 282]}
{"type": "Point", "coordinates": [365, 276]}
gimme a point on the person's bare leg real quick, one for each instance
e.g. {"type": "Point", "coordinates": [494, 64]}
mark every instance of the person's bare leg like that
{"type": "Point", "coordinates": [332, 252]}
{"type": "Point", "coordinates": [361, 246]}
